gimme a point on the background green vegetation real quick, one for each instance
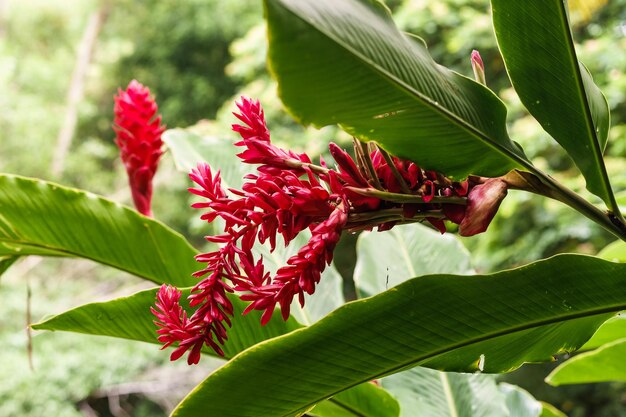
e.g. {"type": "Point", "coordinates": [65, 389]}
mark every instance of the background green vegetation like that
{"type": "Point", "coordinates": [197, 56]}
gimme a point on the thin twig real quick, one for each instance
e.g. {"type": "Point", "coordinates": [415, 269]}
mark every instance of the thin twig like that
{"type": "Point", "coordinates": [365, 148]}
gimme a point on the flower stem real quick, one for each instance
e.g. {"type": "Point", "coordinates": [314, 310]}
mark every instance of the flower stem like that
{"type": "Point", "coordinates": [406, 198]}
{"type": "Point", "coordinates": [543, 184]}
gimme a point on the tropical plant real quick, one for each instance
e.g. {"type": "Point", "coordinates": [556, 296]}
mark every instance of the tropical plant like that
{"type": "Point", "coordinates": [432, 147]}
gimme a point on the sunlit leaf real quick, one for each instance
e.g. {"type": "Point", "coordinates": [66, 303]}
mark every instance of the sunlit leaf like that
{"type": "Point", "coordinates": [42, 218]}
{"type": "Point", "coordinates": [603, 364]}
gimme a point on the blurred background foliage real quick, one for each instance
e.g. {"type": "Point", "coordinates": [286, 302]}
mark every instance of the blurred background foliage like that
{"type": "Point", "coordinates": [198, 56]}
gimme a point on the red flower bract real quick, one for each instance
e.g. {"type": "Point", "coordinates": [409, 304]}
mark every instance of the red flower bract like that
{"type": "Point", "coordinates": [288, 195]}
{"type": "Point", "coordinates": [138, 135]}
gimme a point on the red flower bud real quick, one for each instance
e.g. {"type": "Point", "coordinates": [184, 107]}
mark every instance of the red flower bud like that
{"type": "Point", "coordinates": [478, 67]}
{"type": "Point", "coordinates": [138, 135]}
{"type": "Point", "coordinates": [483, 202]}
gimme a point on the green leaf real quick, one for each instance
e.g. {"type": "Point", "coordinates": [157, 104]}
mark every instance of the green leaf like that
{"type": "Point", "coordinates": [603, 364]}
{"type": "Point", "coordinates": [549, 410]}
{"type": "Point", "coordinates": [612, 330]}
{"type": "Point", "coordinates": [364, 400]}
{"type": "Point", "coordinates": [426, 392]}
{"type": "Point", "coordinates": [6, 262]}
{"type": "Point", "coordinates": [130, 318]}
{"type": "Point", "coordinates": [385, 260]}
{"type": "Point", "coordinates": [519, 403]}
{"type": "Point", "coordinates": [536, 44]}
{"type": "Point", "coordinates": [407, 326]}
{"type": "Point", "coordinates": [615, 252]}
{"type": "Point", "coordinates": [345, 62]}
{"type": "Point", "coordinates": [41, 218]}
{"type": "Point", "coordinates": [189, 149]}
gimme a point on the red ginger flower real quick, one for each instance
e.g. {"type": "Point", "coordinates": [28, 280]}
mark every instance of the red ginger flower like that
{"type": "Point", "coordinates": [288, 195]}
{"type": "Point", "coordinates": [138, 135]}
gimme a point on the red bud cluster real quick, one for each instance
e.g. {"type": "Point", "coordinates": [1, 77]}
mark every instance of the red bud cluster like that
{"type": "Point", "coordinates": [138, 131]}
{"type": "Point", "coordinates": [288, 195]}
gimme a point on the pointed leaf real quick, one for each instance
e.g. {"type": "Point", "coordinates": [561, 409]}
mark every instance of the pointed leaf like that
{"type": "Point", "coordinates": [130, 318]}
{"type": "Point", "coordinates": [345, 62]}
{"type": "Point", "coordinates": [409, 325]}
{"type": "Point", "coordinates": [425, 392]}
{"type": "Point", "coordinates": [549, 410]}
{"type": "Point", "coordinates": [536, 44]}
{"type": "Point", "coordinates": [610, 331]}
{"type": "Point", "coordinates": [42, 218]}
{"type": "Point", "coordinates": [601, 365]}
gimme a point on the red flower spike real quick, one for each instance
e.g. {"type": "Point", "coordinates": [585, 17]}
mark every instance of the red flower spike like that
{"type": "Point", "coordinates": [288, 195]}
{"type": "Point", "coordinates": [138, 131]}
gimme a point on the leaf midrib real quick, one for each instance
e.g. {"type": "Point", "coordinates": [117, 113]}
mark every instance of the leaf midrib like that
{"type": "Point", "coordinates": [580, 86]}
{"type": "Point", "coordinates": [482, 338]}
{"type": "Point", "coordinates": [407, 89]}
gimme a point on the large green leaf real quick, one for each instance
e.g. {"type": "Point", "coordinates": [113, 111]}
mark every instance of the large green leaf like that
{"type": "Point", "coordinates": [415, 250]}
{"type": "Point", "coordinates": [130, 318]}
{"type": "Point", "coordinates": [41, 218]}
{"type": "Point", "coordinates": [603, 364]}
{"type": "Point", "coordinates": [536, 44]}
{"type": "Point", "coordinates": [345, 62]}
{"type": "Point", "coordinates": [385, 260]}
{"type": "Point", "coordinates": [425, 392]}
{"type": "Point", "coordinates": [408, 325]}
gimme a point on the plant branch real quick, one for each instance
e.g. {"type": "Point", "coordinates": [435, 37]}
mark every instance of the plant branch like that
{"type": "Point", "coordinates": [543, 184]}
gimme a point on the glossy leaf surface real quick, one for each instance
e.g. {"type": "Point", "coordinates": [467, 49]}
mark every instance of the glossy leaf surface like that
{"type": "Point", "coordinates": [404, 327]}
{"type": "Point", "coordinates": [536, 44]}
{"type": "Point", "coordinates": [610, 331]}
{"type": "Point", "coordinates": [42, 218]}
{"type": "Point", "coordinates": [345, 62]}
{"type": "Point", "coordinates": [130, 318]}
